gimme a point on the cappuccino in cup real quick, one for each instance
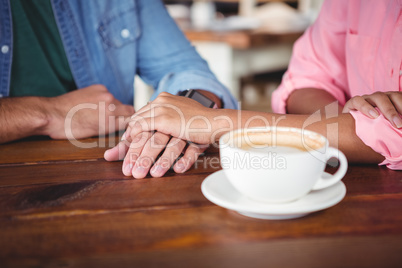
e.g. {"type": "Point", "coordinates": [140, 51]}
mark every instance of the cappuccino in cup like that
{"type": "Point", "coordinates": [278, 164]}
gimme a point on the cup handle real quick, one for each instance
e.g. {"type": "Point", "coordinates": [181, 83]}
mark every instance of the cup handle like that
{"type": "Point", "coordinates": [327, 180]}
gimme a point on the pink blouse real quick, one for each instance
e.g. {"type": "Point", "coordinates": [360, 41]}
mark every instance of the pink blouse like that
{"type": "Point", "coordinates": [354, 48]}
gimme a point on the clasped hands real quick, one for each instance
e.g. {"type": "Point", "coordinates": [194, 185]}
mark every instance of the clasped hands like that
{"type": "Point", "coordinates": [95, 111]}
{"type": "Point", "coordinates": [157, 135]}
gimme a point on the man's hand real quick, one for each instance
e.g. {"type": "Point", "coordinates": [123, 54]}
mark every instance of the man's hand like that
{"type": "Point", "coordinates": [86, 112]}
{"type": "Point", "coordinates": [140, 147]}
{"type": "Point", "coordinates": [81, 113]}
{"type": "Point", "coordinates": [389, 103]}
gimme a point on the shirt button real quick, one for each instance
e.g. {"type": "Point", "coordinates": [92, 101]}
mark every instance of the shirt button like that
{"type": "Point", "coordinates": [125, 33]}
{"type": "Point", "coordinates": [1, 95]}
{"type": "Point", "coordinates": [400, 72]}
{"type": "Point", "coordinates": [5, 49]}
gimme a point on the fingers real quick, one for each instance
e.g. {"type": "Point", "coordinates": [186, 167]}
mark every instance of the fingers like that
{"type": "Point", "coordinates": [389, 103]}
{"type": "Point", "coordinates": [190, 156]}
{"type": "Point", "coordinates": [134, 151]}
{"type": "Point", "coordinates": [117, 153]}
{"type": "Point", "coordinates": [144, 150]}
{"type": "Point", "coordinates": [135, 128]}
{"type": "Point", "coordinates": [396, 100]}
{"type": "Point", "coordinates": [171, 153]}
{"type": "Point", "coordinates": [387, 108]}
{"type": "Point", "coordinates": [148, 155]}
{"type": "Point", "coordinates": [360, 103]}
{"type": "Point", "coordinates": [120, 150]}
{"type": "Point", "coordinates": [138, 161]}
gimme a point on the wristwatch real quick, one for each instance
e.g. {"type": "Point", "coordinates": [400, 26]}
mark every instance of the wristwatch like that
{"type": "Point", "coordinates": [197, 96]}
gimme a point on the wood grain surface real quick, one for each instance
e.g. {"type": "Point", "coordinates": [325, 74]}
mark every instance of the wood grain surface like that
{"type": "Point", "coordinates": [243, 39]}
{"type": "Point", "coordinates": [63, 206]}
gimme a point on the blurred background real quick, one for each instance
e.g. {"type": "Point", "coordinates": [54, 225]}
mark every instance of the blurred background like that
{"type": "Point", "coordinates": [247, 43]}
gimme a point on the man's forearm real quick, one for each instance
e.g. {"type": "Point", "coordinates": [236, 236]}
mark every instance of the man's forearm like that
{"type": "Point", "coordinates": [21, 117]}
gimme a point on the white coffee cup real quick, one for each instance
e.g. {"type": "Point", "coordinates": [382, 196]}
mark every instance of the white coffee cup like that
{"type": "Point", "coordinates": [278, 164]}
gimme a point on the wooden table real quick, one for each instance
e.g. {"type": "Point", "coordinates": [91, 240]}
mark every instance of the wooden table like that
{"type": "Point", "coordinates": [61, 206]}
{"type": "Point", "coordinates": [242, 39]}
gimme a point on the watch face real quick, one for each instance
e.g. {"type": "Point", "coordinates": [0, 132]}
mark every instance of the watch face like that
{"type": "Point", "coordinates": [195, 95]}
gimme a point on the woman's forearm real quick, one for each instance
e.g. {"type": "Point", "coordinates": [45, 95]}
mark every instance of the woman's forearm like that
{"type": "Point", "coordinates": [339, 129]}
{"type": "Point", "coordinates": [309, 101]}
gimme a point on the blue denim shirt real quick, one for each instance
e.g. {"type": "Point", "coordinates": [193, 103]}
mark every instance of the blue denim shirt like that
{"type": "Point", "coordinates": [108, 42]}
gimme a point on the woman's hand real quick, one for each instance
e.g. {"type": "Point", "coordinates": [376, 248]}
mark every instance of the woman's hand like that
{"type": "Point", "coordinates": [177, 116]}
{"type": "Point", "coordinates": [174, 121]}
{"type": "Point", "coordinates": [389, 103]}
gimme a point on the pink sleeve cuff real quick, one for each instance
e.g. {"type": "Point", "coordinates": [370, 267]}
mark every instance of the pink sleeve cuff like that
{"type": "Point", "coordinates": [382, 137]}
{"type": "Point", "coordinates": [290, 84]}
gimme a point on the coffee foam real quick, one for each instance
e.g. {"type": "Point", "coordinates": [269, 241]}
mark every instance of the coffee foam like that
{"type": "Point", "coordinates": [257, 139]}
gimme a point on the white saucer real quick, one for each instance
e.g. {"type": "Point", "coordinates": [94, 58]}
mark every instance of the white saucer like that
{"type": "Point", "coordinates": [217, 189]}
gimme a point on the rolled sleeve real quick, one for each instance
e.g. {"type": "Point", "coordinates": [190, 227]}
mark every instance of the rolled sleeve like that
{"type": "Point", "coordinates": [290, 84]}
{"type": "Point", "coordinates": [166, 59]}
{"type": "Point", "coordinates": [382, 137]}
{"type": "Point", "coordinates": [318, 59]}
